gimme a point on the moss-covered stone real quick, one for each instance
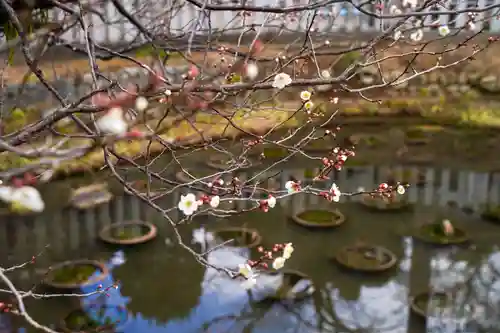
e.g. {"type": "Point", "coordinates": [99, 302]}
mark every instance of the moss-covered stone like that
{"type": "Point", "coordinates": [73, 274]}
{"type": "Point", "coordinates": [366, 258]}
{"type": "Point", "coordinates": [435, 233]}
{"type": "Point", "coordinates": [129, 232]}
{"type": "Point", "coordinates": [491, 213]}
{"type": "Point", "coordinates": [319, 218]}
{"type": "Point", "coordinates": [79, 320]}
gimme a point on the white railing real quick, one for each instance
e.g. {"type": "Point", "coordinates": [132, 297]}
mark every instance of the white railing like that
{"type": "Point", "coordinates": [69, 231]}
{"type": "Point", "coordinates": [177, 17]}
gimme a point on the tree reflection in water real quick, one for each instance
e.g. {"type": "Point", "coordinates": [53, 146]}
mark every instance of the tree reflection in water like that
{"type": "Point", "coordinates": [224, 306]}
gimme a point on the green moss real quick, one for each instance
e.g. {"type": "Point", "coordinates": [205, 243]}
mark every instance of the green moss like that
{"type": "Point", "coordinates": [435, 232]}
{"type": "Point", "coordinates": [397, 104]}
{"type": "Point", "coordinates": [129, 232]}
{"type": "Point", "coordinates": [275, 152]}
{"type": "Point", "coordinates": [17, 114]}
{"type": "Point", "coordinates": [73, 274]}
{"type": "Point", "coordinates": [149, 50]}
{"type": "Point", "coordinates": [234, 78]}
{"type": "Point", "coordinates": [352, 110]}
{"type": "Point", "coordinates": [309, 174]}
{"type": "Point", "coordinates": [10, 161]}
{"type": "Point", "coordinates": [317, 216]}
{"type": "Point", "coordinates": [80, 320]}
{"type": "Point", "coordinates": [361, 257]}
{"type": "Point", "coordinates": [370, 108]}
{"type": "Point", "coordinates": [415, 133]}
{"type": "Point", "coordinates": [424, 92]}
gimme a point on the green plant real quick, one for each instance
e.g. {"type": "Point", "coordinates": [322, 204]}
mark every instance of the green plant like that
{"type": "Point", "coordinates": [424, 92]}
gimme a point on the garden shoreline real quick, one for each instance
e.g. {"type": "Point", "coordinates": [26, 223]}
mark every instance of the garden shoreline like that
{"type": "Point", "coordinates": [261, 122]}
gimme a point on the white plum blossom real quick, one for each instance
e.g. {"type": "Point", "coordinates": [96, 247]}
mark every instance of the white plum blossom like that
{"type": "Point", "coordinates": [397, 35]}
{"type": "Point", "coordinates": [401, 189]}
{"type": "Point", "coordinates": [215, 201]}
{"type": "Point", "coordinates": [471, 25]}
{"type": "Point", "coordinates": [113, 122]}
{"type": "Point", "coordinates": [141, 103]}
{"type": "Point", "coordinates": [281, 80]}
{"type": "Point", "coordinates": [409, 3]}
{"type": "Point", "coordinates": [324, 75]}
{"type": "Point", "coordinates": [417, 35]}
{"type": "Point", "coordinates": [394, 10]}
{"type": "Point", "coordinates": [188, 204]}
{"type": "Point", "coordinates": [167, 92]}
{"type": "Point", "coordinates": [444, 30]}
{"type": "Point", "coordinates": [292, 186]}
{"type": "Point", "coordinates": [251, 71]}
{"type": "Point", "coordinates": [23, 198]}
{"type": "Point", "coordinates": [279, 263]}
{"type": "Point", "coordinates": [288, 250]}
{"type": "Point", "coordinates": [308, 105]}
{"type": "Point", "coordinates": [245, 270]}
{"type": "Point", "coordinates": [305, 95]}
{"type": "Point", "coordinates": [271, 201]}
{"type": "Point", "coordinates": [335, 192]}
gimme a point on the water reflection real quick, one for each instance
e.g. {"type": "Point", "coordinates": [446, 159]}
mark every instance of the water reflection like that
{"type": "Point", "coordinates": [165, 290]}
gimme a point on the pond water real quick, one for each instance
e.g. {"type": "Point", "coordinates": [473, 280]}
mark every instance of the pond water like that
{"type": "Point", "coordinates": [163, 289]}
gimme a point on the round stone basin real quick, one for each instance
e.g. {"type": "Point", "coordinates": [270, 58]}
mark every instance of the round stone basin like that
{"type": "Point", "coordinates": [366, 258]}
{"type": "Point", "coordinates": [128, 233]}
{"type": "Point", "coordinates": [75, 274]}
{"type": "Point", "coordinates": [491, 213]}
{"type": "Point", "coordinates": [433, 233]}
{"type": "Point", "coordinates": [319, 218]}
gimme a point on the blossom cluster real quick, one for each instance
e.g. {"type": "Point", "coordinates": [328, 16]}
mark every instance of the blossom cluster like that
{"type": "Point", "coordinates": [21, 196]}
{"type": "Point", "coordinates": [248, 270]}
{"type": "Point", "coordinates": [114, 122]}
{"type": "Point", "coordinates": [188, 203]}
{"type": "Point", "coordinates": [417, 33]}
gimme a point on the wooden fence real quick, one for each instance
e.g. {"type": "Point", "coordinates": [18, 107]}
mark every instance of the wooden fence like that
{"type": "Point", "coordinates": [177, 17]}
